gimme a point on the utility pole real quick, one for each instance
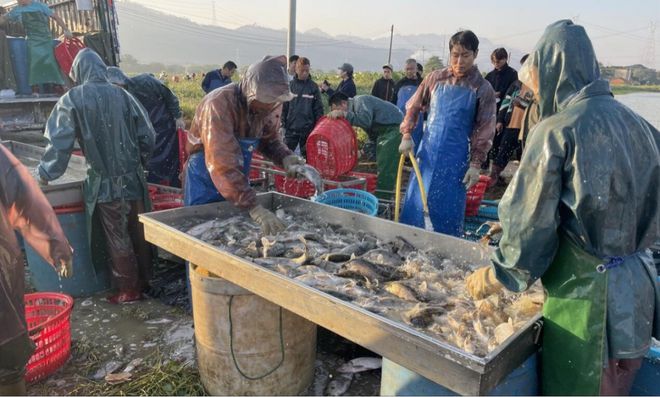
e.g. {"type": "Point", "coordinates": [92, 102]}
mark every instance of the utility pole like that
{"type": "Point", "coordinates": [291, 41]}
{"type": "Point", "coordinates": [423, 51]}
{"type": "Point", "coordinates": [389, 55]}
{"type": "Point", "coordinates": [215, 18]}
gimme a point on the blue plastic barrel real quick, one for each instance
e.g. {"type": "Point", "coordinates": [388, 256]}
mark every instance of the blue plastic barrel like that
{"type": "Point", "coordinates": [19, 61]}
{"type": "Point", "coordinates": [399, 381]}
{"type": "Point", "coordinates": [647, 381]}
{"type": "Point", "coordinates": [86, 279]}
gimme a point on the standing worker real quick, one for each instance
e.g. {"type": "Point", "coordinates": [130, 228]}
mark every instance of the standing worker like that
{"type": "Point", "coordinates": [219, 77]}
{"type": "Point", "coordinates": [346, 85]}
{"type": "Point", "coordinates": [25, 209]}
{"type": "Point", "coordinates": [457, 137]}
{"type": "Point", "coordinates": [381, 120]}
{"type": "Point", "coordinates": [34, 16]}
{"type": "Point", "coordinates": [384, 87]}
{"type": "Point", "coordinates": [299, 116]}
{"type": "Point", "coordinates": [229, 124]}
{"type": "Point", "coordinates": [116, 137]}
{"type": "Point", "coordinates": [404, 90]}
{"type": "Point", "coordinates": [166, 117]}
{"type": "Point", "coordinates": [580, 214]}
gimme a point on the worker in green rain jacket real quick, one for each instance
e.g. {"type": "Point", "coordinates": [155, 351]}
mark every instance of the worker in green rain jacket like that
{"type": "Point", "coordinates": [580, 214]}
{"type": "Point", "coordinates": [380, 120]}
{"type": "Point", "coordinates": [116, 137]}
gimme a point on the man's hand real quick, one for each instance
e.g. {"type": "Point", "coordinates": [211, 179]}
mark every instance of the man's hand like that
{"type": "Point", "coordinates": [290, 164]}
{"type": "Point", "coordinates": [180, 124]}
{"type": "Point", "coordinates": [269, 223]}
{"type": "Point", "coordinates": [482, 283]}
{"type": "Point", "coordinates": [471, 177]}
{"type": "Point", "coordinates": [499, 127]}
{"type": "Point", "coordinates": [407, 145]}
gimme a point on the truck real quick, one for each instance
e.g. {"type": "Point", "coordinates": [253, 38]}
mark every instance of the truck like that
{"type": "Point", "coordinates": [92, 21]}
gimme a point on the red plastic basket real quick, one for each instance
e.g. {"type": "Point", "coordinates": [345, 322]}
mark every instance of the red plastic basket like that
{"type": "Point", "coordinates": [255, 173]}
{"type": "Point", "coordinates": [372, 179]}
{"type": "Point", "coordinates": [163, 199]}
{"type": "Point", "coordinates": [475, 195]}
{"type": "Point", "coordinates": [332, 147]}
{"type": "Point", "coordinates": [48, 319]}
{"type": "Point", "coordinates": [294, 187]}
{"type": "Point", "coordinates": [66, 52]}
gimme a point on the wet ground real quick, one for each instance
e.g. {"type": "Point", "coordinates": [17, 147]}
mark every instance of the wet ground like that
{"type": "Point", "coordinates": [157, 339]}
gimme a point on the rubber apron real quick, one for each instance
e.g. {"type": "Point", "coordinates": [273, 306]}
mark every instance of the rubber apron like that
{"type": "Point", "coordinates": [443, 161]}
{"type": "Point", "coordinates": [163, 165]}
{"type": "Point", "coordinates": [404, 94]}
{"type": "Point", "coordinates": [387, 154]}
{"type": "Point", "coordinates": [41, 58]}
{"type": "Point", "coordinates": [574, 315]}
{"type": "Point", "coordinates": [198, 187]}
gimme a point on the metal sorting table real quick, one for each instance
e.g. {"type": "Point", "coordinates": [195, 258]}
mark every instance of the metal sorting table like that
{"type": "Point", "coordinates": [65, 191]}
{"type": "Point", "coordinates": [439, 361]}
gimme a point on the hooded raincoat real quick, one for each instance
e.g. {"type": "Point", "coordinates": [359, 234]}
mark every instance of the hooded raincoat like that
{"type": "Point", "coordinates": [224, 124]}
{"type": "Point", "coordinates": [586, 194]}
{"type": "Point", "coordinates": [23, 208]}
{"type": "Point", "coordinates": [116, 137]}
{"type": "Point", "coordinates": [163, 108]}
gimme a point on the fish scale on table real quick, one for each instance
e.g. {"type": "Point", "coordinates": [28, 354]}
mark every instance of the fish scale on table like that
{"type": "Point", "coordinates": [419, 288]}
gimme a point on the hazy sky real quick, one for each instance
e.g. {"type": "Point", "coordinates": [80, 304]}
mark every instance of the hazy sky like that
{"type": "Point", "coordinates": [619, 29]}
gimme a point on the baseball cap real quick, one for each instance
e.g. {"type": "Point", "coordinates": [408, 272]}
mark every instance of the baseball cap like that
{"type": "Point", "coordinates": [389, 66]}
{"type": "Point", "coordinates": [346, 67]}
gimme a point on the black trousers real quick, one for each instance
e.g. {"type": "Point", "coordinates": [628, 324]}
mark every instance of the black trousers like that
{"type": "Point", "coordinates": [508, 145]}
{"type": "Point", "coordinates": [293, 138]}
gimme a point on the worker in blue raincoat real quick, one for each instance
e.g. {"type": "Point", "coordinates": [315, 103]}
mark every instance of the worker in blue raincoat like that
{"type": "Point", "coordinates": [457, 137]}
{"type": "Point", "coordinates": [580, 214]}
{"type": "Point", "coordinates": [166, 117]}
{"type": "Point", "coordinates": [116, 137]}
{"type": "Point", "coordinates": [229, 124]}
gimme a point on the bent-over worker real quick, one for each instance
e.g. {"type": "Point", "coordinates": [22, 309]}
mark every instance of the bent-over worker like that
{"type": "Point", "coordinates": [116, 137]}
{"type": "Point", "coordinates": [166, 117]}
{"type": "Point", "coordinates": [229, 124]}
{"type": "Point", "coordinates": [25, 209]}
{"type": "Point", "coordinates": [456, 139]}
{"type": "Point", "coordinates": [580, 214]}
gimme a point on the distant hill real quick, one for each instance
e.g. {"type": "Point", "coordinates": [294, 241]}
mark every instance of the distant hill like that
{"type": "Point", "coordinates": [152, 36]}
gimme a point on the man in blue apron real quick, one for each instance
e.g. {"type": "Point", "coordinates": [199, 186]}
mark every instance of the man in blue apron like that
{"type": "Point", "coordinates": [580, 214]}
{"type": "Point", "coordinates": [116, 137]}
{"type": "Point", "coordinates": [457, 136]}
{"type": "Point", "coordinates": [166, 117]}
{"type": "Point", "coordinates": [229, 124]}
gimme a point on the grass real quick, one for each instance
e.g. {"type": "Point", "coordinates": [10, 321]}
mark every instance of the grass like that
{"type": "Point", "coordinates": [628, 89]}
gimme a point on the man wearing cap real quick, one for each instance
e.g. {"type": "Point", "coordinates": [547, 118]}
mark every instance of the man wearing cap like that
{"type": "Point", "coordinates": [384, 87]}
{"type": "Point", "coordinates": [229, 124]}
{"type": "Point", "coordinates": [346, 86]}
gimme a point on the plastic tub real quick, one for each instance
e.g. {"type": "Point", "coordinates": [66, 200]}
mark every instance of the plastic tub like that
{"type": "Point", "coordinates": [87, 278]}
{"type": "Point", "coordinates": [475, 195]}
{"type": "Point", "coordinates": [350, 199]}
{"type": "Point", "coordinates": [48, 320]}
{"type": "Point", "coordinates": [332, 147]}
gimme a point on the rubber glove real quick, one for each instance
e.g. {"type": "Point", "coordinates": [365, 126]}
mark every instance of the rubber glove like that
{"type": "Point", "coordinates": [407, 145]}
{"type": "Point", "coordinates": [290, 162]}
{"type": "Point", "coordinates": [180, 123]}
{"type": "Point", "coordinates": [65, 268]}
{"type": "Point", "coordinates": [471, 177]}
{"type": "Point", "coordinates": [482, 283]}
{"type": "Point", "coordinates": [43, 182]}
{"type": "Point", "coordinates": [68, 34]}
{"type": "Point", "coordinates": [337, 114]}
{"type": "Point", "coordinates": [269, 223]}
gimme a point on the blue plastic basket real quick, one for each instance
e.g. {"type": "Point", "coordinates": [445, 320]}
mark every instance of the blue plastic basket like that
{"type": "Point", "coordinates": [350, 199]}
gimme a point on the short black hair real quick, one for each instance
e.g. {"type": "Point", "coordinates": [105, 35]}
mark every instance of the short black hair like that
{"type": "Point", "coordinates": [465, 38]}
{"type": "Point", "coordinates": [302, 61]}
{"type": "Point", "coordinates": [524, 58]}
{"type": "Point", "coordinates": [229, 65]}
{"type": "Point", "coordinates": [337, 98]}
{"type": "Point", "coordinates": [293, 58]}
{"type": "Point", "coordinates": [499, 54]}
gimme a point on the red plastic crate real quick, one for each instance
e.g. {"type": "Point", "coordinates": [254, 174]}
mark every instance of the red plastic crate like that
{"type": "Point", "coordinates": [294, 187]}
{"type": "Point", "coordinates": [332, 147]}
{"type": "Point", "coordinates": [475, 195]}
{"type": "Point", "coordinates": [164, 199]}
{"type": "Point", "coordinates": [255, 173]}
{"type": "Point", "coordinates": [372, 179]}
{"type": "Point", "coordinates": [48, 319]}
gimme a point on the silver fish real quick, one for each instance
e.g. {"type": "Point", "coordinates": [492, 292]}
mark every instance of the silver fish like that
{"type": "Point", "coordinates": [311, 174]}
{"type": "Point", "coordinates": [339, 385]}
{"type": "Point", "coordinates": [361, 364]}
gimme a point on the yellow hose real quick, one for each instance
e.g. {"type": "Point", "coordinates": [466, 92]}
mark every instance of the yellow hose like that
{"type": "Point", "coordinates": [397, 193]}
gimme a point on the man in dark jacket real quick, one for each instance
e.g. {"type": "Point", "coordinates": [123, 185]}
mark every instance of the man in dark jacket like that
{"type": "Point", "coordinates": [219, 77]}
{"type": "Point", "coordinates": [501, 78]}
{"type": "Point", "coordinates": [299, 116]}
{"type": "Point", "coordinates": [346, 86]}
{"type": "Point", "coordinates": [166, 117]}
{"type": "Point", "coordinates": [384, 87]}
{"type": "Point", "coordinates": [410, 78]}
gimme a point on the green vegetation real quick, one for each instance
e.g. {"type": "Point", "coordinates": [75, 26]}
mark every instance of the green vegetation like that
{"type": "Point", "coordinates": [628, 89]}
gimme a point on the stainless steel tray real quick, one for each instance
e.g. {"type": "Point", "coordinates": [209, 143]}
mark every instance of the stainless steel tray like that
{"type": "Point", "coordinates": [442, 363]}
{"type": "Point", "coordinates": [58, 194]}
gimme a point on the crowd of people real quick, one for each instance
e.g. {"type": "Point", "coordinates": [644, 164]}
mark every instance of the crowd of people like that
{"type": "Point", "coordinates": [581, 207]}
